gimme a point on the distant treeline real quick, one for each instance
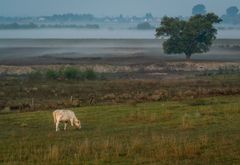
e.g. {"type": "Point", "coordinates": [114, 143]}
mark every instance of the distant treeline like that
{"type": "Point", "coordinates": [66, 18]}
{"type": "Point", "coordinates": [232, 16]}
{"type": "Point", "coordinates": [18, 26]}
{"type": "Point", "coordinates": [145, 26]}
{"type": "Point", "coordinates": [234, 20]}
{"type": "Point", "coordinates": [140, 26]}
{"type": "Point", "coordinates": [35, 26]}
{"type": "Point", "coordinates": [69, 17]}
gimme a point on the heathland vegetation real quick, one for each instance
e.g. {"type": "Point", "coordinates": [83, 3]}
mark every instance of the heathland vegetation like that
{"type": "Point", "coordinates": [70, 87]}
{"type": "Point", "coordinates": [68, 73]}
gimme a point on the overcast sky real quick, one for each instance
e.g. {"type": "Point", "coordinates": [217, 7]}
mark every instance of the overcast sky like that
{"type": "Point", "coordinates": [110, 7]}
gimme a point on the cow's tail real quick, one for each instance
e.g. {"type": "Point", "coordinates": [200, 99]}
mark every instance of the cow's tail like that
{"type": "Point", "coordinates": [54, 117]}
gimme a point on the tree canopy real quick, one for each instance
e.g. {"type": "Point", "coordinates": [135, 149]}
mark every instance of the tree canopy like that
{"type": "Point", "coordinates": [199, 9]}
{"type": "Point", "coordinates": [232, 11]}
{"type": "Point", "coordinates": [192, 36]}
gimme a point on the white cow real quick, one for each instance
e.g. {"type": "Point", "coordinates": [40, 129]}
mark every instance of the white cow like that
{"type": "Point", "coordinates": [65, 116]}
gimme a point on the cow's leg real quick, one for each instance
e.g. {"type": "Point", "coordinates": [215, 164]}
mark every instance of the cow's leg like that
{"type": "Point", "coordinates": [65, 126]}
{"type": "Point", "coordinates": [71, 122]}
{"type": "Point", "coordinates": [57, 124]}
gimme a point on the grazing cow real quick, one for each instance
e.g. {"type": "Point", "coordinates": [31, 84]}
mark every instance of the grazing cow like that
{"type": "Point", "coordinates": [65, 116]}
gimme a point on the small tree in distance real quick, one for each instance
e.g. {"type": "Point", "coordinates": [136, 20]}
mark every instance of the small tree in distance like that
{"type": "Point", "coordinates": [232, 11]}
{"type": "Point", "coordinates": [192, 36]}
{"type": "Point", "coordinates": [199, 9]}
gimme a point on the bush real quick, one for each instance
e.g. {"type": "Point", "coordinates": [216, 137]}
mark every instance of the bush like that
{"type": "Point", "coordinates": [228, 70]}
{"type": "Point", "coordinates": [35, 75]}
{"type": "Point", "coordinates": [72, 73]}
{"type": "Point", "coordinates": [69, 73]}
{"type": "Point", "coordinates": [90, 75]}
{"type": "Point", "coordinates": [51, 74]}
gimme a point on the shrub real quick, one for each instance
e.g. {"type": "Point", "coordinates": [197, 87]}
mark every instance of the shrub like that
{"type": "Point", "coordinates": [228, 70]}
{"type": "Point", "coordinates": [51, 74]}
{"type": "Point", "coordinates": [35, 75]}
{"type": "Point", "coordinates": [72, 73]}
{"type": "Point", "coordinates": [90, 75]}
{"type": "Point", "coordinates": [69, 73]}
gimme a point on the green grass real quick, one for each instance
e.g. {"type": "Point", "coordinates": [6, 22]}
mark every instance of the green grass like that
{"type": "Point", "coordinates": [195, 131]}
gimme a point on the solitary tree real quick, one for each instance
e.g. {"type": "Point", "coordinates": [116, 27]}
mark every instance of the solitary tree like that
{"type": "Point", "coordinates": [232, 11]}
{"type": "Point", "coordinates": [188, 37]}
{"type": "Point", "coordinates": [199, 9]}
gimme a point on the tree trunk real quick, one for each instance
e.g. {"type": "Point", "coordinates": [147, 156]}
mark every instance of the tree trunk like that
{"type": "Point", "coordinates": [188, 57]}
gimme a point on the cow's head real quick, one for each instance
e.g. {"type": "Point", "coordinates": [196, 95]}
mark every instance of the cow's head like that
{"type": "Point", "coordinates": [77, 124]}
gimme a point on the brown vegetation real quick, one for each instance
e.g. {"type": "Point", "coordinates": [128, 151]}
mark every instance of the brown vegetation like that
{"type": "Point", "coordinates": [28, 94]}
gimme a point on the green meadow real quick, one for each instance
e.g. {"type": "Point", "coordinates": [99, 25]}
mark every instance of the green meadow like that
{"type": "Point", "coordinates": [189, 131]}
